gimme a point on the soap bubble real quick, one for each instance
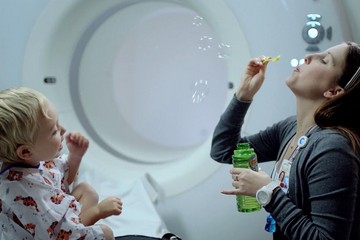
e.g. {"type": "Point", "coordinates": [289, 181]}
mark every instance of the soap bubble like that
{"type": "Point", "coordinates": [205, 43]}
{"type": "Point", "coordinates": [198, 21]}
{"type": "Point", "coordinates": [222, 49]}
{"type": "Point", "coordinates": [200, 91]}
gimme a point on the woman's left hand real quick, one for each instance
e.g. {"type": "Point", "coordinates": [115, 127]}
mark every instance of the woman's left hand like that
{"type": "Point", "coordinates": [247, 181]}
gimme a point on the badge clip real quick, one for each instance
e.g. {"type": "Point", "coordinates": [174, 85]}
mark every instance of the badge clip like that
{"type": "Point", "coordinates": [302, 141]}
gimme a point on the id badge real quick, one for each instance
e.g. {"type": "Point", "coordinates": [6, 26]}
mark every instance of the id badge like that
{"type": "Point", "coordinates": [283, 177]}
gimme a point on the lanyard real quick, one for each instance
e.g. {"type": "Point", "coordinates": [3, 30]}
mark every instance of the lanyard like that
{"type": "Point", "coordinates": [302, 141]}
{"type": "Point", "coordinates": [270, 225]}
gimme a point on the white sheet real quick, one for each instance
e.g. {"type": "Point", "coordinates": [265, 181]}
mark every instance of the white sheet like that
{"type": "Point", "coordinates": [139, 216]}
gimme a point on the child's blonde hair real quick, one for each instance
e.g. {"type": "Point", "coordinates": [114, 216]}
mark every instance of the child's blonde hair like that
{"type": "Point", "coordinates": [20, 110]}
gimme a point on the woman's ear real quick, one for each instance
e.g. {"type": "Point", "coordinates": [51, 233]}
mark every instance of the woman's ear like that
{"type": "Point", "coordinates": [333, 92]}
{"type": "Point", "coordinates": [24, 152]}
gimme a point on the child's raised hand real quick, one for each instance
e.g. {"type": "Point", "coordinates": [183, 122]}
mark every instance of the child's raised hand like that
{"type": "Point", "coordinates": [76, 143]}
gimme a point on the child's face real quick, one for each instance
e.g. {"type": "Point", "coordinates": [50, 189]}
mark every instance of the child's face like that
{"type": "Point", "coordinates": [49, 141]}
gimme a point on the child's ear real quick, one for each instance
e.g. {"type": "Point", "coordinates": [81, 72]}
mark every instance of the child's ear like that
{"type": "Point", "coordinates": [24, 152]}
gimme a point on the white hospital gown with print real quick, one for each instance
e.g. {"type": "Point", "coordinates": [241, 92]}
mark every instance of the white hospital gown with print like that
{"type": "Point", "coordinates": [35, 204]}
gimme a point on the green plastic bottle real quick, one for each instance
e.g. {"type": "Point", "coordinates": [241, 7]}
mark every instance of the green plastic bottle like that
{"type": "Point", "coordinates": [245, 157]}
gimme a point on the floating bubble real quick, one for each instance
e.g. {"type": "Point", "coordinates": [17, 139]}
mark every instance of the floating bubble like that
{"type": "Point", "coordinates": [205, 43]}
{"type": "Point", "coordinates": [198, 21]}
{"type": "Point", "coordinates": [222, 50]}
{"type": "Point", "coordinates": [200, 91]}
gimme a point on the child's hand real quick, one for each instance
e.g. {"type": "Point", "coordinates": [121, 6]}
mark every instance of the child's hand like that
{"type": "Point", "coordinates": [110, 206]}
{"type": "Point", "coordinates": [77, 144]}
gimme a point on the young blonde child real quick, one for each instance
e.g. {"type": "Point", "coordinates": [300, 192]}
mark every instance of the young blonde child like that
{"type": "Point", "coordinates": [35, 200]}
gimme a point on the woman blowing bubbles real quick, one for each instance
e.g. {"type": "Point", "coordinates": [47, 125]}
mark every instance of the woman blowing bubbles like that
{"type": "Point", "coordinates": [322, 199]}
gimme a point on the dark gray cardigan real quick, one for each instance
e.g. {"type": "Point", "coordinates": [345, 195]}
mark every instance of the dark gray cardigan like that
{"type": "Point", "coordinates": [323, 201]}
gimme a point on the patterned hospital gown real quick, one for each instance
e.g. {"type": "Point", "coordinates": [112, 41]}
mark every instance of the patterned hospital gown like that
{"type": "Point", "coordinates": [35, 204]}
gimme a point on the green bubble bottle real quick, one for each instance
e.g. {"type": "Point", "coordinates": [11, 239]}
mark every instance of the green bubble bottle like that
{"type": "Point", "coordinates": [245, 157]}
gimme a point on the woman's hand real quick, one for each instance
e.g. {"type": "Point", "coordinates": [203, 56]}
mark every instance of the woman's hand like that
{"type": "Point", "coordinates": [252, 79]}
{"type": "Point", "coordinates": [247, 181]}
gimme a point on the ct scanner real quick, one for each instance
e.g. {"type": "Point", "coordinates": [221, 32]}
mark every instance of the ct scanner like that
{"type": "Point", "coordinates": [147, 80]}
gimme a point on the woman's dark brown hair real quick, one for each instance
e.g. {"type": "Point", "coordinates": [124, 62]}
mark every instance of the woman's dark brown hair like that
{"type": "Point", "coordinates": [342, 112]}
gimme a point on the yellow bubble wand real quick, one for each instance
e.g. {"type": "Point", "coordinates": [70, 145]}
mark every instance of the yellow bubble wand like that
{"type": "Point", "coordinates": [271, 59]}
